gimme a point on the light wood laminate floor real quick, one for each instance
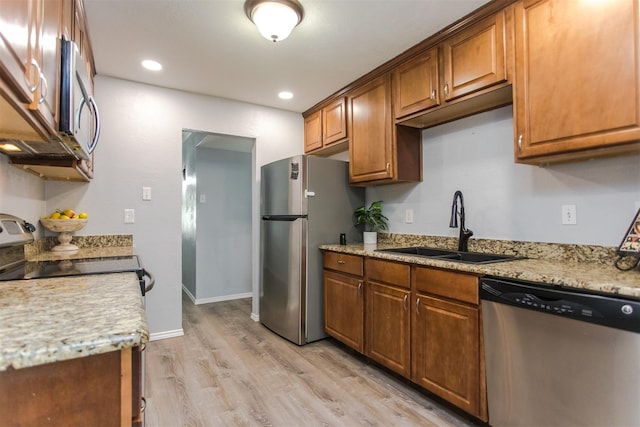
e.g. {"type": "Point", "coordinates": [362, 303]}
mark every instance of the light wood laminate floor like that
{"type": "Point", "coordinates": [230, 371]}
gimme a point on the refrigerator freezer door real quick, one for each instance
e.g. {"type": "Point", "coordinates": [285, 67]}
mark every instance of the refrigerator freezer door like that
{"type": "Point", "coordinates": [283, 183]}
{"type": "Point", "coordinates": [283, 283]}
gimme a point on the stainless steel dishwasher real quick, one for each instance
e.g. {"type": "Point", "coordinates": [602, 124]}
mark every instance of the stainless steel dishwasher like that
{"type": "Point", "coordinates": [557, 357]}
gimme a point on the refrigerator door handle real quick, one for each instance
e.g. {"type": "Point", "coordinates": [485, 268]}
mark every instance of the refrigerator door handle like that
{"type": "Point", "coordinates": [282, 217]}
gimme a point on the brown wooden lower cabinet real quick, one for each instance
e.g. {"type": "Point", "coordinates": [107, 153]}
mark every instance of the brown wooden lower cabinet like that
{"type": "Point", "coordinates": [423, 323]}
{"type": "Point", "coordinates": [446, 351]}
{"type": "Point", "coordinates": [344, 309]}
{"type": "Point", "coordinates": [88, 391]}
{"type": "Point", "coordinates": [388, 321]}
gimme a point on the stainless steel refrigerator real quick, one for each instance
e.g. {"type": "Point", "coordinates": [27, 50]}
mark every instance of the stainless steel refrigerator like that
{"type": "Point", "coordinates": [306, 201]}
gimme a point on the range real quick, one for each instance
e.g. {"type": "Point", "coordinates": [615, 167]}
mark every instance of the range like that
{"type": "Point", "coordinates": [15, 233]}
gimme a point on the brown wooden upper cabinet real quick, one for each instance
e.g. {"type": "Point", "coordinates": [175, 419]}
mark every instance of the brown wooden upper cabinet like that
{"type": "Point", "coordinates": [457, 77]}
{"type": "Point", "coordinates": [379, 151]}
{"type": "Point", "coordinates": [416, 83]}
{"type": "Point", "coordinates": [476, 58]}
{"type": "Point", "coordinates": [327, 127]}
{"type": "Point", "coordinates": [577, 89]}
{"type": "Point", "coordinates": [28, 67]}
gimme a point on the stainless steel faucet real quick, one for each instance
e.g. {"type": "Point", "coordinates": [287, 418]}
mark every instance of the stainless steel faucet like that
{"type": "Point", "coordinates": [465, 234]}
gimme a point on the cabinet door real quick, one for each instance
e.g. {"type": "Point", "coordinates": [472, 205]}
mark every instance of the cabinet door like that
{"type": "Point", "coordinates": [344, 309]}
{"type": "Point", "coordinates": [313, 132]}
{"type": "Point", "coordinates": [46, 99]}
{"type": "Point", "coordinates": [388, 327]}
{"type": "Point", "coordinates": [576, 78]}
{"type": "Point", "coordinates": [370, 144]}
{"type": "Point", "coordinates": [334, 122]}
{"type": "Point", "coordinates": [18, 35]}
{"type": "Point", "coordinates": [415, 84]}
{"type": "Point", "coordinates": [446, 351]}
{"type": "Point", "coordinates": [475, 58]}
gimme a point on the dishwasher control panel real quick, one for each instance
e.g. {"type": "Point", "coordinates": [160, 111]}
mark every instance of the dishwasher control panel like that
{"type": "Point", "coordinates": [605, 310]}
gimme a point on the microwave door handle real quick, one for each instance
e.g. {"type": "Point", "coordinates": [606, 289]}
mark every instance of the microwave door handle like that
{"type": "Point", "coordinates": [96, 118]}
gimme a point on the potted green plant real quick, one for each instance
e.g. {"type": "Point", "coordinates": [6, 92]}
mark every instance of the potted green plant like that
{"type": "Point", "coordinates": [373, 221]}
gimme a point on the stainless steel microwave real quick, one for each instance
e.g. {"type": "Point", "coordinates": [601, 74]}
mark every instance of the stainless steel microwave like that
{"type": "Point", "coordinates": [79, 120]}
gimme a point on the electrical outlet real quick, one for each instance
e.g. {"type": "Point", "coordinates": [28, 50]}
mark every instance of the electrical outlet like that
{"type": "Point", "coordinates": [129, 216]}
{"type": "Point", "coordinates": [408, 216]}
{"type": "Point", "coordinates": [146, 193]}
{"type": "Point", "coordinates": [569, 215]}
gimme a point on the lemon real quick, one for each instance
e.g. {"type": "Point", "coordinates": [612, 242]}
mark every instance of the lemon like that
{"type": "Point", "coordinates": [55, 215]}
{"type": "Point", "coordinates": [69, 213]}
{"type": "Point", "coordinates": [63, 216]}
{"type": "Point", "coordinates": [83, 215]}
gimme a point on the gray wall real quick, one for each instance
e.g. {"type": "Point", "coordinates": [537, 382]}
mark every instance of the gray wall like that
{"type": "Point", "coordinates": [505, 200]}
{"type": "Point", "coordinates": [223, 224]}
{"type": "Point", "coordinates": [141, 145]}
{"type": "Point", "coordinates": [21, 194]}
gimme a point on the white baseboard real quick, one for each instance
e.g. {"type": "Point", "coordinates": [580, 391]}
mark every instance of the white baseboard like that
{"type": "Point", "coordinates": [189, 294]}
{"type": "Point", "coordinates": [198, 301]}
{"type": "Point", "coordinates": [255, 317]}
{"type": "Point", "coordinates": [166, 334]}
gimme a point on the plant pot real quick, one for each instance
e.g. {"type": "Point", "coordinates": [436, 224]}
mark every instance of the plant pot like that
{"type": "Point", "coordinates": [370, 237]}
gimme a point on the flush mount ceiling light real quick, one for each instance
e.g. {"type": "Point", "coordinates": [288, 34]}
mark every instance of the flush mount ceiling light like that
{"type": "Point", "coordinates": [151, 65]}
{"type": "Point", "coordinates": [275, 19]}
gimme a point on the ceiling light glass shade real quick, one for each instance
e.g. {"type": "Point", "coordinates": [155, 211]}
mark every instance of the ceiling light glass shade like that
{"type": "Point", "coordinates": [275, 19]}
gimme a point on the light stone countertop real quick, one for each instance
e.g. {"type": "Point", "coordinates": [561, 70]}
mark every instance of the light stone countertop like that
{"type": "Point", "coordinates": [56, 319]}
{"type": "Point", "coordinates": [591, 276]}
{"type": "Point", "coordinates": [83, 253]}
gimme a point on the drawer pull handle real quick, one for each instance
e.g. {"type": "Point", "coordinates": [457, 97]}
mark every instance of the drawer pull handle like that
{"type": "Point", "coordinates": [360, 287]}
{"type": "Point", "coordinates": [446, 89]}
{"type": "Point", "coordinates": [404, 302]}
{"type": "Point", "coordinates": [433, 94]}
{"type": "Point", "coordinates": [340, 261]}
{"type": "Point", "coordinates": [418, 306]}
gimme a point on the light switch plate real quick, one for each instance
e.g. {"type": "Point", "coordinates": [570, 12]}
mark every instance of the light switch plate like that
{"type": "Point", "coordinates": [146, 193]}
{"type": "Point", "coordinates": [129, 216]}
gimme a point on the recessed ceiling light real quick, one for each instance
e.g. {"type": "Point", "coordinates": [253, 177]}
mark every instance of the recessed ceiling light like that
{"type": "Point", "coordinates": [285, 95]}
{"type": "Point", "coordinates": [152, 65]}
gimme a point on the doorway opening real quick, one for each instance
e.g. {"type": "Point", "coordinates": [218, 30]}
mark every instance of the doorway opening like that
{"type": "Point", "coordinates": [217, 203]}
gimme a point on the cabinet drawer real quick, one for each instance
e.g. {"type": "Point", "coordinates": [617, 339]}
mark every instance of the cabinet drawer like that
{"type": "Point", "coordinates": [462, 287]}
{"type": "Point", "coordinates": [388, 272]}
{"type": "Point", "coordinates": [351, 264]}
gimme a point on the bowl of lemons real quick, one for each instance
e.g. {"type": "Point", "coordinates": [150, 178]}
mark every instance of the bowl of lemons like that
{"type": "Point", "coordinates": [65, 222]}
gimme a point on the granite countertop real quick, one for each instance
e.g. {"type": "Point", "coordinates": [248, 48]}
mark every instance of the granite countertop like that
{"type": "Point", "coordinates": [56, 319]}
{"type": "Point", "coordinates": [83, 253]}
{"type": "Point", "coordinates": [593, 276]}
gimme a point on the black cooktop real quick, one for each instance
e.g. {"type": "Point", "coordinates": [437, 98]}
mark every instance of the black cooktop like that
{"type": "Point", "coordinates": [73, 267]}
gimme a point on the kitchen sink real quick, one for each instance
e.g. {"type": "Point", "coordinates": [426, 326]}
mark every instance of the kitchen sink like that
{"type": "Point", "coordinates": [444, 254]}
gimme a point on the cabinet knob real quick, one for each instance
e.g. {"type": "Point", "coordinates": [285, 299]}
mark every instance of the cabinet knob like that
{"type": "Point", "coordinates": [520, 143]}
{"type": "Point", "coordinates": [340, 261]}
